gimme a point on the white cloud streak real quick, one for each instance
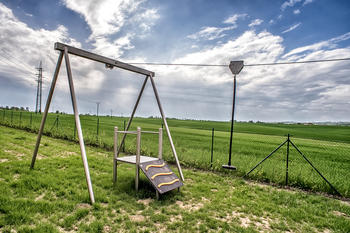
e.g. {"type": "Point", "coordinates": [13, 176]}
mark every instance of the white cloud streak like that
{"type": "Point", "coordinates": [255, 22]}
{"type": "Point", "coordinates": [291, 28]}
{"type": "Point", "coordinates": [234, 18]}
{"type": "Point", "coordinates": [289, 3]}
{"type": "Point", "coordinates": [307, 2]}
{"type": "Point", "coordinates": [210, 33]}
{"type": "Point", "coordinates": [296, 12]}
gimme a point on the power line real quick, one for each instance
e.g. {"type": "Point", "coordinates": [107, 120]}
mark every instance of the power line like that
{"type": "Point", "coordinates": [19, 70]}
{"type": "Point", "coordinates": [225, 65]}
{"type": "Point", "coordinates": [21, 63]}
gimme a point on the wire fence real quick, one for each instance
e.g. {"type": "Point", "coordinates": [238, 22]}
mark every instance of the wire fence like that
{"type": "Point", "coordinates": [202, 146]}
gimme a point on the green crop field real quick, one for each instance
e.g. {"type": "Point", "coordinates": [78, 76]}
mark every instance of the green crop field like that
{"type": "Point", "coordinates": [327, 147]}
{"type": "Point", "coordinates": [53, 197]}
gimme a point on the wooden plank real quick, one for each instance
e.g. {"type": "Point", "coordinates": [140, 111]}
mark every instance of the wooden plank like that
{"type": "Point", "coordinates": [105, 60]}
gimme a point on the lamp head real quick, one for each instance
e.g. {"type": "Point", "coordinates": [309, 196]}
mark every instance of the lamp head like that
{"type": "Point", "coordinates": [236, 66]}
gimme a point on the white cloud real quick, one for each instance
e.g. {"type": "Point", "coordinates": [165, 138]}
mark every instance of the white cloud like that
{"type": "Point", "coordinates": [302, 92]}
{"type": "Point", "coordinates": [210, 33]}
{"type": "Point", "coordinates": [22, 48]}
{"type": "Point", "coordinates": [307, 2]}
{"type": "Point", "coordinates": [291, 28]}
{"type": "Point", "coordinates": [289, 3]}
{"type": "Point", "coordinates": [255, 22]}
{"type": "Point", "coordinates": [327, 44]}
{"type": "Point", "coordinates": [26, 44]}
{"type": "Point", "coordinates": [296, 12]}
{"type": "Point", "coordinates": [233, 19]}
{"type": "Point", "coordinates": [109, 17]}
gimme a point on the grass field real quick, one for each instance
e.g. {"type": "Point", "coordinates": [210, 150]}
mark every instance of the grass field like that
{"type": "Point", "coordinates": [53, 197]}
{"type": "Point", "coordinates": [327, 147]}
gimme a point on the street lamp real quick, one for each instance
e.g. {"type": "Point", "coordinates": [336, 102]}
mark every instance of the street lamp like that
{"type": "Point", "coordinates": [235, 67]}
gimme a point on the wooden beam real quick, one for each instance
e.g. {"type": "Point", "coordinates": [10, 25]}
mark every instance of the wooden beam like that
{"type": "Point", "coordinates": [110, 63]}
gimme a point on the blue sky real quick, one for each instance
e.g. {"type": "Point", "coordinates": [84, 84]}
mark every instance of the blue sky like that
{"type": "Point", "coordinates": [212, 32]}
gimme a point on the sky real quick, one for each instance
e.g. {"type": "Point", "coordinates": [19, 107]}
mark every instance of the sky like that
{"type": "Point", "coordinates": [183, 31]}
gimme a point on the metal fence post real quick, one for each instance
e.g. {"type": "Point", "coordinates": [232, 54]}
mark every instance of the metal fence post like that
{"type": "Point", "coordinates": [97, 128]}
{"type": "Point", "coordinates": [57, 118]}
{"type": "Point", "coordinates": [288, 140]}
{"type": "Point", "coordinates": [31, 120]}
{"type": "Point", "coordinates": [123, 149]}
{"type": "Point", "coordinates": [11, 117]}
{"type": "Point", "coordinates": [75, 129]}
{"type": "Point", "coordinates": [20, 119]}
{"type": "Point", "coordinates": [3, 116]}
{"type": "Point", "coordinates": [212, 148]}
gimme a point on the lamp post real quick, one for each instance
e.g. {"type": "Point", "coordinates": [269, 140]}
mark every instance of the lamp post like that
{"type": "Point", "coordinates": [235, 67]}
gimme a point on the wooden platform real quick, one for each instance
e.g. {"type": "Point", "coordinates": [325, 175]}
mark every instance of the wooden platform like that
{"type": "Point", "coordinates": [132, 159]}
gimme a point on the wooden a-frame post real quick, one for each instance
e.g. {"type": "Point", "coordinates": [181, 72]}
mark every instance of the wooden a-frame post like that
{"type": "Point", "coordinates": [65, 50]}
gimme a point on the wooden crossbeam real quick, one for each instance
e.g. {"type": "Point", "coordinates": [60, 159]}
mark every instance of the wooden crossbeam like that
{"type": "Point", "coordinates": [110, 63]}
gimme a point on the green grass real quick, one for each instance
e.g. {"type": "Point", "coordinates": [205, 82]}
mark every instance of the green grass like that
{"type": "Point", "coordinates": [53, 197]}
{"type": "Point", "coordinates": [327, 147]}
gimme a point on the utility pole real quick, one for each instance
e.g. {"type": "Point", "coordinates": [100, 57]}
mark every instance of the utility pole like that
{"type": "Point", "coordinates": [39, 89]}
{"type": "Point", "coordinates": [97, 106]}
{"type": "Point", "coordinates": [111, 113]}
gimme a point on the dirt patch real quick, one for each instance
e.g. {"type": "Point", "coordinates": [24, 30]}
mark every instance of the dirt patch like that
{"type": "Point", "coordinates": [145, 201]}
{"type": "Point", "coordinates": [340, 214]}
{"type": "Point", "coordinates": [189, 206]}
{"type": "Point", "coordinates": [245, 222]}
{"type": "Point", "coordinates": [83, 206]}
{"type": "Point", "coordinates": [16, 176]}
{"type": "Point", "coordinates": [160, 227]}
{"type": "Point", "coordinates": [175, 218]}
{"type": "Point", "coordinates": [38, 198]}
{"type": "Point", "coordinates": [189, 180]}
{"type": "Point", "coordinates": [3, 160]}
{"type": "Point", "coordinates": [40, 156]}
{"type": "Point", "coordinates": [106, 229]}
{"type": "Point", "coordinates": [102, 154]}
{"type": "Point", "coordinates": [277, 188]}
{"type": "Point", "coordinates": [15, 153]}
{"type": "Point", "coordinates": [345, 203]}
{"type": "Point", "coordinates": [67, 154]}
{"type": "Point", "coordinates": [137, 218]}
{"type": "Point", "coordinates": [60, 229]}
{"type": "Point", "coordinates": [262, 224]}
